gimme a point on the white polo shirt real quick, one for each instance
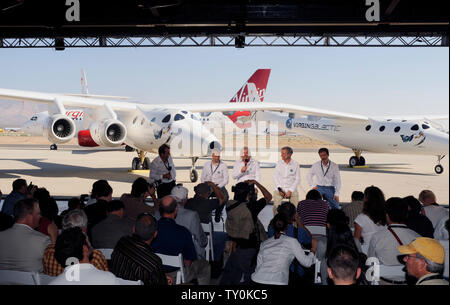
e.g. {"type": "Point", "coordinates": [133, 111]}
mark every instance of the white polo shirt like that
{"type": "Point", "coordinates": [325, 175]}
{"type": "Point", "coordinates": [287, 175]}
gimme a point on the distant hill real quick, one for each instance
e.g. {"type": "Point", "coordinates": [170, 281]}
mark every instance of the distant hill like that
{"type": "Point", "coordinates": [14, 114]}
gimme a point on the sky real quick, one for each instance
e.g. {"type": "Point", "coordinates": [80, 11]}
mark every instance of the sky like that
{"type": "Point", "coordinates": [372, 81]}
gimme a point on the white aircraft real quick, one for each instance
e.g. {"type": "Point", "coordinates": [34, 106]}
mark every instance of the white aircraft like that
{"type": "Point", "coordinates": [145, 127]}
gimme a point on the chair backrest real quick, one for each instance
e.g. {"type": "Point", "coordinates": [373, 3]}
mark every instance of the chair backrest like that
{"type": "Point", "coordinates": [106, 252]}
{"type": "Point", "coordinates": [13, 277]}
{"type": "Point", "coordinates": [317, 230]}
{"type": "Point", "coordinates": [43, 279]}
{"type": "Point", "coordinates": [208, 229]}
{"type": "Point", "coordinates": [395, 273]}
{"type": "Point", "coordinates": [128, 282]}
{"type": "Point", "coordinates": [174, 261]}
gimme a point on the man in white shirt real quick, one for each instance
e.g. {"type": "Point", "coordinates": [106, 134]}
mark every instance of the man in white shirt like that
{"type": "Point", "coordinates": [216, 172]}
{"type": "Point", "coordinates": [328, 178]}
{"type": "Point", "coordinates": [247, 168]}
{"type": "Point", "coordinates": [72, 251]}
{"type": "Point", "coordinates": [287, 179]}
{"type": "Point", "coordinates": [431, 209]}
{"type": "Point", "coordinates": [162, 171]}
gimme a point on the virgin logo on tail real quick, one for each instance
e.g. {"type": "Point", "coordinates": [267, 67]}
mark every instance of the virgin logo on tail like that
{"type": "Point", "coordinates": [254, 89]}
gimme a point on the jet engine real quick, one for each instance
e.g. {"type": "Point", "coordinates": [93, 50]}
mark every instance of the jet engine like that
{"type": "Point", "coordinates": [109, 133]}
{"type": "Point", "coordinates": [59, 129]}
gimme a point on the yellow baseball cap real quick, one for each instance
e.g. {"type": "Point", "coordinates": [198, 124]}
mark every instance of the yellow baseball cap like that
{"type": "Point", "coordinates": [427, 247]}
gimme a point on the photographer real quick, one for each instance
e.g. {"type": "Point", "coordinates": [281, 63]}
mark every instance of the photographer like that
{"type": "Point", "coordinates": [135, 202]}
{"type": "Point", "coordinates": [244, 230]}
{"type": "Point", "coordinates": [20, 191]}
{"type": "Point", "coordinates": [162, 171]}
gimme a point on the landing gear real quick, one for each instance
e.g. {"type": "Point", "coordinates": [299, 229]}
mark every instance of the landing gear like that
{"type": "Point", "coordinates": [53, 147]}
{"type": "Point", "coordinates": [193, 174]}
{"type": "Point", "coordinates": [439, 169]}
{"type": "Point", "coordinates": [141, 161]}
{"type": "Point", "coordinates": [357, 160]}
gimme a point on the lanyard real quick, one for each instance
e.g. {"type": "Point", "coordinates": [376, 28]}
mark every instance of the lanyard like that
{"type": "Point", "coordinates": [328, 168]}
{"type": "Point", "coordinates": [212, 172]}
{"type": "Point", "coordinates": [167, 166]}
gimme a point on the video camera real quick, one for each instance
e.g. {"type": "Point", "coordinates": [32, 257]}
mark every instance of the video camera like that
{"type": "Point", "coordinates": [243, 189]}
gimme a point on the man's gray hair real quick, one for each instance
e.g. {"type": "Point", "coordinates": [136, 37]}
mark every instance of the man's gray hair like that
{"type": "Point", "coordinates": [215, 152]}
{"type": "Point", "coordinates": [248, 150]}
{"type": "Point", "coordinates": [432, 266]}
{"type": "Point", "coordinates": [75, 218]}
{"type": "Point", "coordinates": [288, 149]}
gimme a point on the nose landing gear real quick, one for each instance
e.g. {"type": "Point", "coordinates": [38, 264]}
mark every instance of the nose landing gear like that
{"type": "Point", "coordinates": [193, 173]}
{"type": "Point", "coordinates": [439, 169]}
{"type": "Point", "coordinates": [357, 160]}
{"type": "Point", "coordinates": [141, 161]}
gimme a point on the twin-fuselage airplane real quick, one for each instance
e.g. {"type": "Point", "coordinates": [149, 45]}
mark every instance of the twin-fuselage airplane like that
{"type": "Point", "coordinates": [111, 123]}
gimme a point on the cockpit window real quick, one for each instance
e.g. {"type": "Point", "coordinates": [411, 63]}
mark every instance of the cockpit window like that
{"type": "Point", "coordinates": [184, 111]}
{"type": "Point", "coordinates": [415, 127]}
{"type": "Point", "coordinates": [166, 118]}
{"type": "Point", "coordinates": [153, 120]}
{"type": "Point", "coordinates": [178, 117]}
{"type": "Point", "coordinates": [194, 117]}
{"type": "Point", "coordinates": [425, 126]}
{"type": "Point", "coordinates": [34, 118]}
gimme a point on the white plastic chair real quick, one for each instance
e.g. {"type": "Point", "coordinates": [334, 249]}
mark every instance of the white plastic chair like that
{"type": "Point", "coordinates": [317, 230]}
{"type": "Point", "coordinates": [43, 279]}
{"type": "Point", "coordinates": [391, 273]}
{"type": "Point", "coordinates": [317, 275]}
{"type": "Point", "coordinates": [106, 252]}
{"type": "Point", "coordinates": [208, 229]}
{"type": "Point", "coordinates": [129, 283]}
{"type": "Point", "coordinates": [13, 277]}
{"type": "Point", "coordinates": [174, 261]}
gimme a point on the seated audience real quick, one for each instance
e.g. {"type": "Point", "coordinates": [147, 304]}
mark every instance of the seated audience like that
{"type": "Point", "coordinates": [313, 212]}
{"type": "Point", "coordinates": [373, 217]}
{"type": "Point", "coordinates": [383, 244]}
{"type": "Point", "coordinates": [245, 231]}
{"type": "Point", "coordinates": [300, 233]}
{"type": "Point", "coordinates": [6, 221]}
{"type": "Point", "coordinates": [202, 203]}
{"type": "Point", "coordinates": [95, 186]}
{"type": "Point", "coordinates": [189, 219]}
{"type": "Point", "coordinates": [133, 258]}
{"type": "Point", "coordinates": [21, 246]}
{"type": "Point", "coordinates": [354, 208]}
{"type": "Point", "coordinates": [343, 265]}
{"type": "Point", "coordinates": [277, 253]}
{"type": "Point", "coordinates": [96, 211]}
{"type": "Point", "coordinates": [441, 235]}
{"type": "Point", "coordinates": [431, 209]}
{"type": "Point", "coordinates": [173, 239]}
{"type": "Point", "coordinates": [19, 192]}
{"type": "Point", "coordinates": [135, 201]}
{"type": "Point", "coordinates": [73, 251]}
{"type": "Point", "coordinates": [75, 218]}
{"type": "Point", "coordinates": [416, 220]}
{"type": "Point", "coordinates": [107, 232]}
{"type": "Point", "coordinates": [425, 261]}
{"type": "Point", "coordinates": [74, 203]}
{"type": "Point", "coordinates": [49, 217]}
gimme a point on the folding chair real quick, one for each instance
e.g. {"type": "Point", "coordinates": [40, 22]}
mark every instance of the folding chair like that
{"type": "Point", "coordinates": [106, 252]}
{"type": "Point", "coordinates": [208, 229]}
{"type": "Point", "coordinates": [174, 261]}
{"type": "Point", "coordinates": [13, 277]}
{"type": "Point", "coordinates": [43, 279]}
{"type": "Point", "coordinates": [391, 274]}
{"type": "Point", "coordinates": [129, 283]}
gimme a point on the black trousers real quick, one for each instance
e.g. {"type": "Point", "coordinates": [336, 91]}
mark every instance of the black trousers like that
{"type": "Point", "coordinates": [165, 189]}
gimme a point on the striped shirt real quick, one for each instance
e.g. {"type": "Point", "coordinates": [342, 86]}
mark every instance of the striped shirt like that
{"type": "Point", "coordinates": [313, 212]}
{"type": "Point", "coordinates": [132, 259]}
{"type": "Point", "coordinates": [352, 210]}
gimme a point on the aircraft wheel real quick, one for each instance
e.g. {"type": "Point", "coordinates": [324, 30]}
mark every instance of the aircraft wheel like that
{"type": "Point", "coordinates": [362, 161]}
{"type": "Point", "coordinates": [53, 147]}
{"type": "Point", "coordinates": [439, 169]}
{"type": "Point", "coordinates": [193, 175]}
{"type": "Point", "coordinates": [146, 164]}
{"type": "Point", "coordinates": [353, 161]}
{"type": "Point", "coordinates": [136, 164]}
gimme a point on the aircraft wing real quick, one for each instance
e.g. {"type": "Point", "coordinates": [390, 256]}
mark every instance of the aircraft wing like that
{"type": "Point", "coordinates": [82, 102]}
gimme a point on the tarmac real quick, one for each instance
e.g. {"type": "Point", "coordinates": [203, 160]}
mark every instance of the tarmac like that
{"type": "Point", "coordinates": [71, 170]}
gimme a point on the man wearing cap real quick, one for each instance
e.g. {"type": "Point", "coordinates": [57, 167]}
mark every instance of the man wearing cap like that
{"type": "Point", "coordinates": [247, 168]}
{"type": "Point", "coordinates": [425, 260]}
{"type": "Point", "coordinates": [216, 171]}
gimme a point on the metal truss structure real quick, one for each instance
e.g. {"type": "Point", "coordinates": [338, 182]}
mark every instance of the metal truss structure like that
{"type": "Point", "coordinates": [233, 40]}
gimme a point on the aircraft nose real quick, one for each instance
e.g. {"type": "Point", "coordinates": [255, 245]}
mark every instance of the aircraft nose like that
{"type": "Point", "coordinates": [440, 143]}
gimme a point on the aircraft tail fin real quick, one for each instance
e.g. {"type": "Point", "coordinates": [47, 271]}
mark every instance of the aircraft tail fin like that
{"type": "Point", "coordinates": [254, 89]}
{"type": "Point", "coordinates": [84, 85]}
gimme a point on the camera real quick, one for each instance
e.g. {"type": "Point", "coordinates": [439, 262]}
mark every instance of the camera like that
{"type": "Point", "coordinates": [169, 168]}
{"type": "Point", "coordinates": [154, 184]}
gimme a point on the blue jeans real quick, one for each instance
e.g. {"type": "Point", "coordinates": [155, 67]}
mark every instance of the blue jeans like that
{"type": "Point", "coordinates": [328, 195]}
